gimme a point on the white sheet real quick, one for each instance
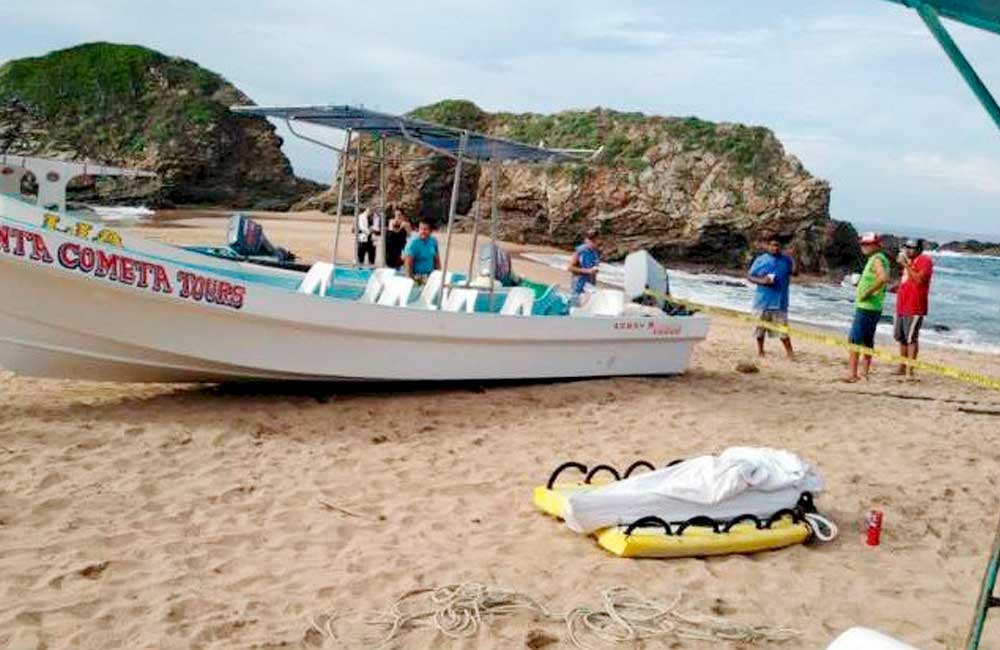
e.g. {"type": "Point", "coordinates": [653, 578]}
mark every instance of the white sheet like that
{"type": "Point", "coordinates": [740, 480]}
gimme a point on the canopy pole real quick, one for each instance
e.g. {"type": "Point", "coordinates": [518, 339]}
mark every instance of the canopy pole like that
{"type": "Point", "coordinates": [944, 39]}
{"type": "Point", "coordinates": [345, 160]}
{"type": "Point", "coordinates": [384, 225]}
{"type": "Point", "coordinates": [452, 207]}
{"type": "Point", "coordinates": [357, 199]}
{"type": "Point", "coordinates": [493, 228]}
{"type": "Point", "coordinates": [475, 237]}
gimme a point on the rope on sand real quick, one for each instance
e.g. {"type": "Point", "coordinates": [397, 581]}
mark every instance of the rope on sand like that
{"type": "Point", "coordinates": [459, 611]}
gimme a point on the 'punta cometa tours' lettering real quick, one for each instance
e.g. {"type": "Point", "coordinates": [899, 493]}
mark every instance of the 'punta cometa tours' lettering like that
{"type": "Point", "coordinates": [115, 267]}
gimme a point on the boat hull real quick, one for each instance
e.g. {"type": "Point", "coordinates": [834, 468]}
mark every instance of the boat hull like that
{"type": "Point", "coordinates": [66, 311]}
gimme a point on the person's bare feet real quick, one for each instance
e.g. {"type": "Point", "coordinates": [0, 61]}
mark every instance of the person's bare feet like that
{"type": "Point", "coordinates": [850, 379]}
{"type": "Point", "coordinates": [899, 371]}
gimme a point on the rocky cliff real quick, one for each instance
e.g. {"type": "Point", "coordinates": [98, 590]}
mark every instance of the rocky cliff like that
{"type": "Point", "coordinates": [685, 189]}
{"type": "Point", "coordinates": [973, 247]}
{"type": "Point", "coordinates": [132, 106]}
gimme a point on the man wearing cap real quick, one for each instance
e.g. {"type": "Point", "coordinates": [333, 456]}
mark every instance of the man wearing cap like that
{"type": "Point", "coordinates": [771, 271]}
{"type": "Point", "coordinates": [868, 299]}
{"type": "Point", "coordinates": [912, 300]}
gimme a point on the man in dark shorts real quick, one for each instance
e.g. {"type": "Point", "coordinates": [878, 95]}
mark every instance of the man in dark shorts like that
{"type": "Point", "coordinates": [912, 300]}
{"type": "Point", "coordinates": [868, 299]}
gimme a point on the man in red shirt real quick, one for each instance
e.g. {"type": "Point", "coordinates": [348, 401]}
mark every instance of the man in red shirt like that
{"type": "Point", "coordinates": [911, 301]}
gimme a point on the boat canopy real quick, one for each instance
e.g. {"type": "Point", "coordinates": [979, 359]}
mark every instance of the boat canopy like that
{"type": "Point", "coordinates": [445, 140]}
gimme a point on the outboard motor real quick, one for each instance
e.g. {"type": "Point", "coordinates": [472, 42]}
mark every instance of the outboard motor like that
{"type": "Point", "coordinates": [246, 238]}
{"type": "Point", "coordinates": [643, 274]}
{"type": "Point", "coordinates": [503, 272]}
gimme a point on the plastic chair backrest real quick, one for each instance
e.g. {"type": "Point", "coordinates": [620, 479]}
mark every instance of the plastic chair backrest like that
{"type": "Point", "coordinates": [429, 293]}
{"type": "Point", "coordinates": [519, 300]}
{"type": "Point", "coordinates": [376, 284]}
{"type": "Point", "coordinates": [317, 279]}
{"type": "Point", "coordinates": [607, 302]}
{"type": "Point", "coordinates": [459, 299]}
{"type": "Point", "coordinates": [396, 292]}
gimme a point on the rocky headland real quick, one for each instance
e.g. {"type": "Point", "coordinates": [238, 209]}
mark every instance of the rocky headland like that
{"type": "Point", "coordinates": [972, 247]}
{"type": "Point", "coordinates": [132, 106]}
{"type": "Point", "coordinates": [688, 190]}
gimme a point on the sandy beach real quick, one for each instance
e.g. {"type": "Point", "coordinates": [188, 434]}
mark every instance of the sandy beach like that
{"type": "Point", "coordinates": [181, 517]}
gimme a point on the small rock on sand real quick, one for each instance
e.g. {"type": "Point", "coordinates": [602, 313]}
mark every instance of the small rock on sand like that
{"type": "Point", "coordinates": [747, 367]}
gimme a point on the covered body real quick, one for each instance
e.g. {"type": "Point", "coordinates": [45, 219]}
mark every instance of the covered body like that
{"type": "Point", "coordinates": [741, 480]}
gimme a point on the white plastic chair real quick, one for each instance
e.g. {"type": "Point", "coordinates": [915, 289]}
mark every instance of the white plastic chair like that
{"type": "Point", "coordinates": [376, 284]}
{"type": "Point", "coordinates": [317, 279]}
{"type": "Point", "coordinates": [396, 292]}
{"type": "Point", "coordinates": [603, 302]}
{"type": "Point", "coordinates": [459, 299]}
{"type": "Point", "coordinates": [431, 289]}
{"type": "Point", "coordinates": [519, 301]}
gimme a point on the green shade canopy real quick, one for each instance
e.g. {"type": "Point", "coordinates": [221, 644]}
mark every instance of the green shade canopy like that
{"type": "Point", "coordinates": [984, 14]}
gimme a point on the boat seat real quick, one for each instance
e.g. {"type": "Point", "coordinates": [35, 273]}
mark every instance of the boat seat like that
{"type": "Point", "coordinates": [376, 284]}
{"type": "Point", "coordinates": [459, 299]}
{"type": "Point", "coordinates": [396, 292]}
{"type": "Point", "coordinates": [519, 301]}
{"type": "Point", "coordinates": [317, 279]}
{"type": "Point", "coordinates": [603, 302]}
{"type": "Point", "coordinates": [429, 293]}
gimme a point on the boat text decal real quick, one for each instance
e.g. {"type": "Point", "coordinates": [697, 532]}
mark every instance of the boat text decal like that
{"type": "Point", "coordinates": [115, 267]}
{"type": "Point", "coordinates": [653, 328]}
{"type": "Point", "coordinates": [82, 230]}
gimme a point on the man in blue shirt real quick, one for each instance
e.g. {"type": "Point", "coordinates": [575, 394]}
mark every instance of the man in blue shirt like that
{"type": "Point", "coordinates": [420, 256]}
{"type": "Point", "coordinates": [583, 265]}
{"type": "Point", "coordinates": [772, 273]}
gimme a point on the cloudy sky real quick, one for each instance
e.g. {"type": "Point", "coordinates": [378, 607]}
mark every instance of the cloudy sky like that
{"type": "Point", "coordinates": [855, 88]}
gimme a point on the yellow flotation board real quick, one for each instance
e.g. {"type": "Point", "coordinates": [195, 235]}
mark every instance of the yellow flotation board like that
{"type": "Point", "coordinates": [739, 536]}
{"type": "Point", "coordinates": [701, 536]}
{"type": "Point", "coordinates": [551, 497]}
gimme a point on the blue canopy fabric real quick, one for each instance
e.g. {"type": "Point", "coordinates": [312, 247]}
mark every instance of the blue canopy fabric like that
{"type": "Point", "coordinates": [443, 139]}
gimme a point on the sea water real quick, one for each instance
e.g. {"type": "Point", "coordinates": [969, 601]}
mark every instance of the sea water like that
{"type": "Point", "coordinates": [964, 299]}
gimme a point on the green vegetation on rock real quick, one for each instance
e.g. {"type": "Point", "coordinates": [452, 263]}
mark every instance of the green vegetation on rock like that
{"type": "Point", "coordinates": [456, 113]}
{"type": "Point", "coordinates": [127, 104]}
{"type": "Point", "coordinates": [626, 136]}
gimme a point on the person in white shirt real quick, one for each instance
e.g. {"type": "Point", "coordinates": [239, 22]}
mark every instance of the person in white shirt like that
{"type": "Point", "coordinates": [368, 228]}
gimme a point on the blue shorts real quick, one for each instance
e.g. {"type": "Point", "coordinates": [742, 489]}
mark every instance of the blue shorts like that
{"type": "Point", "coordinates": [863, 327]}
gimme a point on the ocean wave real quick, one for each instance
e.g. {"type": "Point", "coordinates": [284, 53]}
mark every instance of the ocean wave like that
{"type": "Point", "coordinates": [826, 306]}
{"type": "Point", "coordinates": [963, 255]}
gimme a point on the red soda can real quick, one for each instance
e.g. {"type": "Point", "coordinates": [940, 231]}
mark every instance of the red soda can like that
{"type": "Point", "coordinates": [873, 527]}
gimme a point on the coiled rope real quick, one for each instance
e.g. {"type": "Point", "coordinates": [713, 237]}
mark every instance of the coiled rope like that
{"type": "Point", "coordinates": [459, 611]}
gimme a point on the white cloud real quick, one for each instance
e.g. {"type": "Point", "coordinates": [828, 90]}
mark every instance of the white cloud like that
{"type": "Point", "coordinates": [978, 174]}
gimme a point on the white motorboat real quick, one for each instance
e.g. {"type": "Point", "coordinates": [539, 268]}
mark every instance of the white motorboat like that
{"type": "Point", "coordinates": [89, 301]}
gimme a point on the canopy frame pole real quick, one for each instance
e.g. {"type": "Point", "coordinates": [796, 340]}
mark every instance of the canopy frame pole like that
{"type": "Point", "coordinates": [493, 228]}
{"type": "Point", "coordinates": [475, 237]}
{"type": "Point", "coordinates": [345, 160]}
{"type": "Point", "coordinates": [452, 208]}
{"type": "Point", "coordinates": [357, 201]}
{"type": "Point", "coordinates": [933, 21]}
{"type": "Point", "coordinates": [318, 143]}
{"type": "Point", "coordinates": [384, 225]}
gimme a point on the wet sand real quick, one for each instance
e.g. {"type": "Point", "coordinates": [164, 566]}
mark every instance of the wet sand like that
{"type": "Point", "coordinates": [222, 517]}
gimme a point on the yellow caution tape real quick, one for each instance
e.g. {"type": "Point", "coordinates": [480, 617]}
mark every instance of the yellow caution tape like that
{"type": "Point", "coordinates": [826, 339]}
